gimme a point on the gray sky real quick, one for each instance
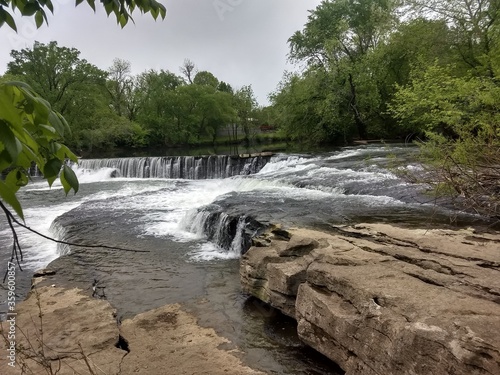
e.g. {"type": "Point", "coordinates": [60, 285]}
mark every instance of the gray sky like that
{"type": "Point", "coordinates": [242, 42]}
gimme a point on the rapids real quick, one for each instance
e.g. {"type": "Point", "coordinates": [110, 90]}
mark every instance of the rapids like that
{"type": "Point", "coordinates": [195, 216]}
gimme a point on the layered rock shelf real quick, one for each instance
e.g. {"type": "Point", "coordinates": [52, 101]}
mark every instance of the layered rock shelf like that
{"type": "Point", "coordinates": [65, 331]}
{"type": "Point", "coordinates": [380, 300]}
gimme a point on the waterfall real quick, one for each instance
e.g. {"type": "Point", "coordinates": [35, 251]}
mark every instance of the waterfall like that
{"type": "Point", "coordinates": [238, 243]}
{"type": "Point", "coordinates": [230, 233]}
{"type": "Point", "coordinates": [59, 233]}
{"type": "Point", "coordinates": [186, 167]}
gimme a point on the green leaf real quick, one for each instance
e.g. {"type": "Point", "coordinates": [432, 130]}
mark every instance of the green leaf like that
{"type": "Point", "coordinates": [49, 6]}
{"type": "Point", "coordinates": [64, 152]}
{"type": "Point", "coordinates": [7, 18]}
{"type": "Point", "coordinates": [18, 4]}
{"type": "Point", "coordinates": [16, 178]}
{"type": "Point", "coordinates": [108, 8]}
{"type": "Point", "coordinates": [123, 20]}
{"type": "Point", "coordinates": [51, 169]}
{"type": "Point", "coordinates": [56, 123]}
{"type": "Point", "coordinates": [30, 142]}
{"type": "Point", "coordinates": [47, 130]}
{"type": "Point", "coordinates": [92, 4]}
{"type": "Point", "coordinates": [69, 180]}
{"type": "Point", "coordinates": [155, 12]}
{"type": "Point", "coordinates": [163, 11]}
{"type": "Point", "coordinates": [30, 9]}
{"type": "Point", "coordinates": [9, 111]}
{"type": "Point", "coordinates": [42, 109]}
{"type": "Point", "coordinates": [9, 197]}
{"type": "Point", "coordinates": [39, 19]}
{"type": "Point", "coordinates": [13, 146]}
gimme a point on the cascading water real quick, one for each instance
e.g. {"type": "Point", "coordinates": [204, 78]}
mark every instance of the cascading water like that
{"type": "Point", "coordinates": [231, 234]}
{"type": "Point", "coordinates": [194, 216]}
{"type": "Point", "coordinates": [59, 233]}
{"type": "Point", "coordinates": [180, 167]}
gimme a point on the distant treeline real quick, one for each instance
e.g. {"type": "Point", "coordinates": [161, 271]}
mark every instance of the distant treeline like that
{"type": "Point", "coordinates": [370, 69]}
{"type": "Point", "coordinates": [114, 108]}
{"type": "Point", "coordinates": [385, 69]}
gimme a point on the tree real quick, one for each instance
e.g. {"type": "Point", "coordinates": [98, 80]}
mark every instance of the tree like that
{"type": "Point", "coordinates": [57, 73]}
{"type": "Point", "coordinates": [460, 117]}
{"type": "Point", "coordinates": [157, 104]}
{"type": "Point", "coordinates": [474, 23]}
{"type": "Point", "coordinates": [225, 87]}
{"type": "Point", "coordinates": [176, 112]}
{"type": "Point", "coordinates": [245, 104]}
{"type": "Point", "coordinates": [187, 69]}
{"type": "Point", "coordinates": [337, 38]}
{"type": "Point", "coordinates": [79, 91]}
{"type": "Point", "coordinates": [205, 78]}
{"type": "Point", "coordinates": [30, 132]}
{"type": "Point", "coordinates": [300, 110]}
{"type": "Point", "coordinates": [119, 84]}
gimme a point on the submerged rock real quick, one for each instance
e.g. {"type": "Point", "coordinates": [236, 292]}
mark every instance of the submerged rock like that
{"type": "Point", "coordinates": [378, 299]}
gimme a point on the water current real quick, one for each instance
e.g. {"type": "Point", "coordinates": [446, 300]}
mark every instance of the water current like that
{"type": "Point", "coordinates": [195, 216]}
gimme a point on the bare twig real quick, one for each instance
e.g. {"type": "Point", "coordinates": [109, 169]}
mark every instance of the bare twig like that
{"type": "Point", "coordinates": [16, 247]}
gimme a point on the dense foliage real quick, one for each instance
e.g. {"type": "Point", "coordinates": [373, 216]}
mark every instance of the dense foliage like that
{"type": "Point", "coordinates": [115, 108]}
{"type": "Point", "coordinates": [360, 55]}
{"type": "Point", "coordinates": [30, 132]}
{"type": "Point", "coordinates": [418, 69]}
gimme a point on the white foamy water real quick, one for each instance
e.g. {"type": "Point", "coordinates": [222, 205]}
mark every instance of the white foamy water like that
{"type": "Point", "coordinates": [278, 165]}
{"type": "Point", "coordinates": [40, 214]}
{"type": "Point", "coordinates": [208, 251]}
{"type": "Point", "coordinates": [170, 208]}
{"type": "Point", "coordinates": [38, 251]}
{"type": "Point", "coordinates": [170, 215]}
{"type": "Point", "coordinates": [346, 154]}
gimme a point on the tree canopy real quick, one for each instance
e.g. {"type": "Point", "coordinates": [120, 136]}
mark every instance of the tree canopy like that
{"type": "Point", "coordinates": [418, 69]}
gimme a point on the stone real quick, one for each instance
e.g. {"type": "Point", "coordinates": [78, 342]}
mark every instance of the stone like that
{"type": "Point", "coordinates": [378, 299]}
{"type": "Point", "coordinates": [74, 328]}
{"type": "Point", "coordinates": [80, 335]}
{"type": "Point", "coordinates": [253, 271]}
{"type": "Point", "coordinates": [298, 246]}
{"type": "Point", "coordinates": [170, 338]}
{"type": "Point", "coordinates": [283, 283]}
{"type": "Point", "coordinates": [44, 272]}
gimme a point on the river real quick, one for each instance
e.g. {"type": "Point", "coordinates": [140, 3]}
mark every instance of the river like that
{"type": "Point", "coordinates": [194, 216]}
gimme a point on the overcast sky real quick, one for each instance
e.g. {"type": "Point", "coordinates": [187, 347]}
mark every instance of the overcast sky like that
{"type": "Point", "coordinates": [242, 42]}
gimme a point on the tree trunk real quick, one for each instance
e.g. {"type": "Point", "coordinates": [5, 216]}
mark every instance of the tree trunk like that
{"type": "Point", "coordinates": [360, 124]}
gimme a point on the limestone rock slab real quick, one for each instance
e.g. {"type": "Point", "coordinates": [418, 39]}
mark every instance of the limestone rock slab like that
{"type": "Point", "coordinates": [378, 299]}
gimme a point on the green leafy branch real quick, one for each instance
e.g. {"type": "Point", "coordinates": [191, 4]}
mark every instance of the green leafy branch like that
{"type": "Point", "coordinates": [30, 132]}
{"type": "Point", "coordinates": [122, 9]}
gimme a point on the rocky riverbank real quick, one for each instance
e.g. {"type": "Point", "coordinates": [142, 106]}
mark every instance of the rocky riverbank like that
{"type": "Point", "coordinates": [376, 299]}
{"type": "Point", "coordinates": [379, 300]}
{"type": "Point", "coordinates": [78, 334]}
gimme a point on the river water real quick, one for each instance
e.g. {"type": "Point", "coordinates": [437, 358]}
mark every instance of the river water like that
{"type": "Point", "coordinates": [194, 216]}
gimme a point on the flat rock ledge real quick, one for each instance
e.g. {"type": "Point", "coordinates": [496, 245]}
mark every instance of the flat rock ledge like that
{"type": "Point", "coordinates": [380, 300]}
{"type": "Point", "coordinates": [77, 334]}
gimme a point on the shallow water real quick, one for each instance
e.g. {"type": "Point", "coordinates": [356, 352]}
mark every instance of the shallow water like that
{"type": "Point", "coordinates": [171, 218]}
